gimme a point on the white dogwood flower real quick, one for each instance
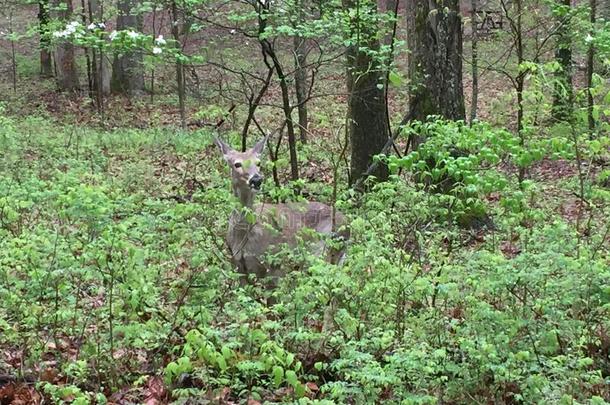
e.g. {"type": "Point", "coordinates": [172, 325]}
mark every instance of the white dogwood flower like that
{"type": "Point", "coordinates": [113, 35]}
{"type": "Point", "coordinates": [160, 40]}
{"type": "Point", "coordinates": [156, 50]}
{"type": "Point", "coordinates": [133, 34]}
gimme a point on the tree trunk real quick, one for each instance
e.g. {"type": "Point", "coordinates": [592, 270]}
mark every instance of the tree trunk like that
{"type": "Point", "coordinates": [589, 73]}
{"type": "Point", "coordinates": [475, 62]}
{"type": "Point", "coordinates": [101, 70]}
{"type": "Point", "coordinates": [286, 107]}
{"type": "Point", "coordinates": [13, 54]}
{"type": "Point", "coordinates": [391, 8]}
{"type": "Point", "coordinates": [517, 30]}
{"type": "Point", "coordinates": [179, 66]}
{"type": "Point", "coordinates": [269, 52]}
{"type": "Point", "coordinates": [435, 63]}
{"type": "Point", "coordinates": [65, 65]}
{"type": "Point", "coordinates": [300, 83]}
{"type": "Point", "coordinates": [563, 97]}
{"type": "Point", "coordinates": [102, 78]}
{"type": "Point", "coordinates": [128, 69]}
{"type": "Point", "coordinates": [46, 62]}
{"type": "Point", "coordinates": [368, 125]}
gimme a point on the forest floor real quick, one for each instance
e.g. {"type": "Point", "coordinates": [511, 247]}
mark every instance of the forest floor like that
{"type": "Point", "coordinates": [116, 285]}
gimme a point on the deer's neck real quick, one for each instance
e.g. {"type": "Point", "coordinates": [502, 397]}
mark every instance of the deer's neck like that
{"type": "Point", "coordinates": [239, 226]}
{"type": "Point", "coordinates": [245, 196]}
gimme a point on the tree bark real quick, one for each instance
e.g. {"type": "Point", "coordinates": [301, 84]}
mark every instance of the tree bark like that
{"type": "Point", "coordinates": [300, 83]}
{"type": "Point", "coordinates": [65, 65]}
{"type": "Point", "coordinates": [435, 63]}
{"type": "Point", "coordinates": [253, 103]}
{"type": "Point", "coordinates": [269, 52]}
{"type": "Point", "coordinates": [475, 62]}
{"type": "Point", "coordinates": [563, 97]}
{"type": "Point", "coordinates": [589, 73]}
{"type": "Point", "coordinates": [368, 126]}
{"type": "Point", "coordinates": [101, 67]}
{"type": "Point", "coordinates": [519, 79]}
{"type": "Point", "coordinates": [13, 54]}
{"type": "Point", "coordinates": [287, 108]}
{"type": "Point", "coordinates": [179, 65]}
{"type": "Point", "coordinates": [128, 69]}
{"type": "Point", "coordinates": [46, 62]}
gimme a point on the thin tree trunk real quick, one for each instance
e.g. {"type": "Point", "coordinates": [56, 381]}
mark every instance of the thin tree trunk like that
{"type": "Point", "coordinates": [254, 103]}
{"type": "Point", "coordinates": [268, 51]}
{"type": "Point", "coordinates": [563, 97]}
{"type": "Point", "coordinates": [152, 72]}
{"type": "Point", "coordinates": [475, 62]}
{"type": "Point", "coordinates": [46, 62]}
{"type": "Point", "coordinates": [589, 74]}
{"type": "Point", "coordinates": [287, 108]}
{"type": "Point", "coordinates": [367, 122]}
{"type": "Point", "coordinates": [391, 6]}
{"type": "Point", "coordinates": [13, 55]}
{"type": "Point", "coordinates": [88, 52]}
{"type": "Point", "coordinates": [520, 81]}
{"type": "Point", "coordinates": [300, 82]}
{"type": "Point", "coordinates": [179, 66]}
{"type": "Point", "coordinates": [100, 65]}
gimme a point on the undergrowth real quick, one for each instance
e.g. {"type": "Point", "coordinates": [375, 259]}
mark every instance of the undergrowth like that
{"type": "Point", "coordinates": [115, 283]}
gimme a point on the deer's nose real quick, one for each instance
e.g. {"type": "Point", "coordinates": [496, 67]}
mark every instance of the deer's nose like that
{"type": "Point", "coordinates": [256, 181]}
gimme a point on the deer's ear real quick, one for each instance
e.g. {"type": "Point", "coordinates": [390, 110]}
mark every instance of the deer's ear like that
{"type": "Point", "coordinates": [260, 145]}
{"type": "Point", "coordinates": [224, 148]}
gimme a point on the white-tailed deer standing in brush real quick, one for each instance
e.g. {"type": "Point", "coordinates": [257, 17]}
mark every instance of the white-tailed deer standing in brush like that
{"type": "Point", "coordinates": [251, 237]}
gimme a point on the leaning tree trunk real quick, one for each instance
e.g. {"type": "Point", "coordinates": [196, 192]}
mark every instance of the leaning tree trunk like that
{"type": "Point", "coordinates": [563, 97]}
{"type": "Point", "coordinates": [368, 125]}
{"type": "Point", "coordinates": [46, 62]}
{"type": "Point", "coordinates": [128, 68]}
{"type": "Point", "coordinates": [435, 63]}
{"type": "Point", "coordinates": [65, 65]}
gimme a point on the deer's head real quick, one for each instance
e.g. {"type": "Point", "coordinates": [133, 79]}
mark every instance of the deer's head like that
{"type": "Point", "coordinates": [246, 177]}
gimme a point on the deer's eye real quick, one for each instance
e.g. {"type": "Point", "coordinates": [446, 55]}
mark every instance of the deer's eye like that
{"type": "Point", "coordinates": [237, 165]}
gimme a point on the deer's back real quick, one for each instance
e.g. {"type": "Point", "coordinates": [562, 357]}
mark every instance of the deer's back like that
{"type": "Point", "coordinates": [279, 225]}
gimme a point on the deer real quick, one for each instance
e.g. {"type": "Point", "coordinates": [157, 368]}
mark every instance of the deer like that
{"type": "Point", "coordinates": [257, 230]}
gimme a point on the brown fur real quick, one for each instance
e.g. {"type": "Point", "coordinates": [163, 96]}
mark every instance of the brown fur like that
{"type": "Point", "coordinates": [276, 225]}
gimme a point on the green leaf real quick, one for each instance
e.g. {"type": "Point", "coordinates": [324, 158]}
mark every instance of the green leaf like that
{"type": "Point", "coordinates": [278, 375]}
{"type": "Point", "coordinates": [289, 359]}
{"type": "Point", "coordinates": [221, 362]}
{"type": "Point", "coordinates": [395, 79]}
{"type": "Point", "coordinates": [226, 353]}
{"type": "Point", "coordinates": [291, 378]}
{"type": "Point", "coordinates": [299, 390]}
